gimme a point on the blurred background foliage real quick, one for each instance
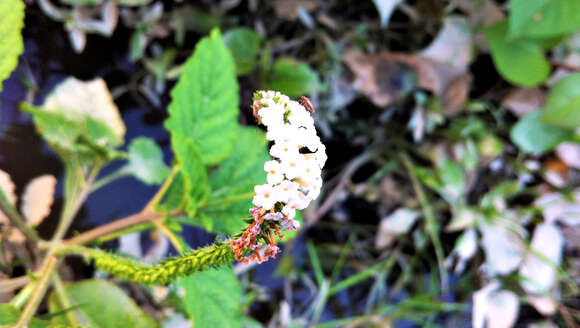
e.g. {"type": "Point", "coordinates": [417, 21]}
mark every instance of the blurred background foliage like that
{"type": "Point", "coordinates": [451, 192]}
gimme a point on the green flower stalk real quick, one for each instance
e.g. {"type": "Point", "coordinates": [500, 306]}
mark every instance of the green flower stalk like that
{"type": "Point", "coordinates": [162, 273]}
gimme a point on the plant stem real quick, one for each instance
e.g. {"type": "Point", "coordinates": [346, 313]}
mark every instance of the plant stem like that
{"type": "Point", "coordinates": [18, 221]}
{"type": "Point", "coordinates": [65, 300]}
{"type": "Point", "coordinates": [48, 268]}
{"type": "Point", "coordinates": [122, 172]}
{"type": "Point", "coordinates": [161, 192]}
{"type": "Point", "coordinates": [112, 227]}
{"type": "Point", "coordinates": [22, 297]}
{"type": "Point", "coordinates": [429, 217]}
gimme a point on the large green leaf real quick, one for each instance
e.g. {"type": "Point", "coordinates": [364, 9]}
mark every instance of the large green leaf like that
{"type": "Point", "coordinates": [11, 22]}
{"type": "Point", "coordinates": [100, 303]}
{"type": "Point", "coordinates": [146, 161]}
{"type": "Point", "coordinates": [562, 106]}
{"type": "Point", "coordinates": [543, 18]}
{"type": "Point", "coordinates": [244, 44]}
{"type": "Point", "coordinates": [204, 106]}
{"type": "Point", "coordinates": [293, 77]}
{"type": "Point", "coordinates": [534, 136]}
{"type": "Point", "coordinates": [212, 298]}
{"type": "Point", "coordinates": [233, 183]}
{"type": "Point", "coordinates": [519, 61]}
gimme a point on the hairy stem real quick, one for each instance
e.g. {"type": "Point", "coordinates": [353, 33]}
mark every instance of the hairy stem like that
{"type": "Point", "coordinates": [162, 273]}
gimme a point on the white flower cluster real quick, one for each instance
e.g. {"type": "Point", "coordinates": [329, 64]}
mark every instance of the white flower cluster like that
{"type": "Point", "coordinates": [294, 174]}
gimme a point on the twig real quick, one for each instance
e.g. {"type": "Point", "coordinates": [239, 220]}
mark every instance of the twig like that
{"type": "Point", "coordinates": [10, 285]}
{"type": "Point", "coordinates": [429, 217]}
{"type": "Point", "coordinates": [109, 228]}
{"type": "Point", "coordinates": [344, 179]}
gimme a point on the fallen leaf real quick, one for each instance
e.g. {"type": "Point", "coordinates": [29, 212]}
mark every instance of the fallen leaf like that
{"type": "Point", "coordinates": [546, 305]}
{"type": "Point", "coordinates": [522, 101]}
{"type": "Point", "coordinates": [569, 153]}
{"type": "Point", "coordinates": [539, 276]}
{"type": "Point", "coordinates": [37, 199]}
{"type": "Point", "coordinates": [399, 222]}
{"type": "Point", "coordinates": [557, 172]}
{"type": "Point", "coordinates": [78, 99]}
{"type": "Point", "coordinates": [503, 249]}
{"type": "Point", "coordinates": [288, 9]}
{"type": "Point", "coordinates": [387, 77]}
{"type": "Point", "coordinates": [499, 309]}
{"type": "Point", "coordinates": [9, 189]}
{"type": "Point", "coordinates": [453, 45]}
{"type": "Point", "coordinates": [481, 12]}
{"type": "Point", "coordinates": [557, 208]}
{"type": "Point", "coordinates": [456, 94]}
{"type": "Point", "coordinates": [570, 64]}
{"type": "Point", "coordinates": [463, 217]}
{"type": "Point", "coordinates": [465, 248]}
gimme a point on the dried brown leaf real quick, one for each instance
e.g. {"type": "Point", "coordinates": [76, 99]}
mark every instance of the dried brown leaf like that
{"type": "Point", "coordinates": [522, 101]}
{"type": "Point", "coordinates": [37, 198]}
{"type": "Point", "coordinates": [456, 94]}
{"type": "Point", "coordinates": [386, 77]}
{"type": "Point", "coordinates": [453, 45]}
{"type": "Point", "coordinates": [8, 188]}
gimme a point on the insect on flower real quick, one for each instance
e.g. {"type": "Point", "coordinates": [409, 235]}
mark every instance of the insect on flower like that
{"type": "Point", "coordinates": [293, 175]}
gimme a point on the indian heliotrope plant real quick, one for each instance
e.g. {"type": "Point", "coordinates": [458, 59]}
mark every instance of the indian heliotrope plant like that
{"type": "Point", "coordinates": [293, 176]}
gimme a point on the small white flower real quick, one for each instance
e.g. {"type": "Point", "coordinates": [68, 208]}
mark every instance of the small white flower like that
{"type": "Point", "coordinates": [298, 115]}
{"type": "Point", "coordinates": [310, 170]}
{"type": "Point", "coordinates": [289, 210]}
{"type": "Point", "coordinates": [293, 166]}
{"type": "Point", "coordinates": [274, 171]}
{"type": "Point", "coordinates": [272, 115]}
{"type": "Point", "coordinates": [265, 196]}
{"type": "Point", "coordinates": [282, 133]}
{"type": "Point", "coordinates": [285, 150]}
{"type": "Point", "coordinates": [286, 190]}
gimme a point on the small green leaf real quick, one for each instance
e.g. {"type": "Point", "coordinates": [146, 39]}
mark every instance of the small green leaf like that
{"type": "Point", "coordinates": [452, 180]}
{"type": "Point", "coordinates": [233, 183]}
{"type": "Point", "coordinates": [532, 135]}
{"type": "Point", "coordinates": [562, 106]}
{"type": "Point", "coordinates": [174, 198]}
{"type": "Point", "coordinates": [100, 303]}
{"type": "Point", "coordinates": [11, 46]}
{"type": "Point", "coordinates": [204, 106]}
{"type": "Point", "coordinates": [146, 161]}
{"type": "Point", "coordinates": [293, 77]}
{"type": "Point", "coordinates": [212, 298]}
{"type": "Point", "coordinates": [521, 62]}
{"type": "Point", "coordinates": [543, 18]}
{"type": "Point", "coordinates": [244, 44]}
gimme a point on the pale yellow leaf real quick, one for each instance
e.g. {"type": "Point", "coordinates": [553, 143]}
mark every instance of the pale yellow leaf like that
{"type": "Point", "coordinates": [37, 199]}
{"type": "Point", "coordinates": [8, 188]}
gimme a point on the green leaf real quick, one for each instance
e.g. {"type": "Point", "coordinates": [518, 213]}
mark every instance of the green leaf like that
{"type": "Point", "coordinates": [100, 303]}
{"type": "Point", "coordinates": [532, 135]}
{"type": "Point", "coordinates": [293, 78]}
{"type": "Point", "coordinates": [543, 18]}
{"type": "Point", "coordinates": [174, 198]}
{"type": "Point", "coordinates": [11, 46]}
{"type": "Point", "coordinates": [452, 180]}
{"type": "Point", "coordinates": [562, 106]}
{"type": "Point", "coordinates": [521, 62]}
{"type": "Point", "coordinates": [8, 314]}
{"type": "Point", "coordinates": [194, 174]}
{"type": "Point", "coordinates": [244, 44]}
{"type": "Point", "coordinates": [204, 106]}
{"type": "Point", "coordinates": [146, 161]}
{"type": "Point", "coordinates": [233, 182]}
{"type": "Point", "coordinates": [212, 298]}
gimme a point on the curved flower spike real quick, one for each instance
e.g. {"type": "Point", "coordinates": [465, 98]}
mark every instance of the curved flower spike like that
{"type": "Point", "coordinates": [294, 174]}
